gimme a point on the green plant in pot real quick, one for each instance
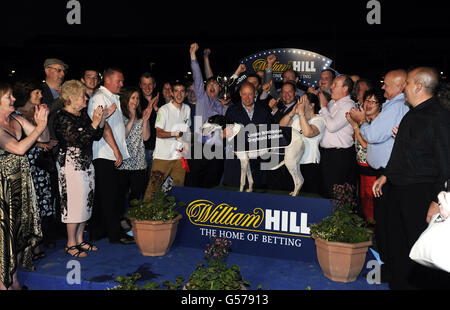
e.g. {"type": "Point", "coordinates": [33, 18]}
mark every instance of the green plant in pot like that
{"type": "Point", "coordinates": [343, 225]}
{"type": "Point", "coordinates": [154, 221]}
{"type": "Point", "coordinates": [342, 239]}
{"type": "Point", "coordinates": [213, 273]}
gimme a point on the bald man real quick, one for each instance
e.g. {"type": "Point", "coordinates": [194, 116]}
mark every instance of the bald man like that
{"type": "Point", "coordinates": [378, 135]}
{"type": "Point", "coordinates": [416, 172]}
{"type": "Point", "coordinates": [246, 112]}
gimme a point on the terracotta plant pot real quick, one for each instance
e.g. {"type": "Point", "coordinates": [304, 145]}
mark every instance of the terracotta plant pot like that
{"type": "Point", "coordinates": [341, 262]}
{"type": "Point", "coordinates": [154, 238]}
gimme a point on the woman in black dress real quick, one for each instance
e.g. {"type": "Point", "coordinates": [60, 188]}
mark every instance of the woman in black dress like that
{"type": "Point", "coordinates": [76, 132]}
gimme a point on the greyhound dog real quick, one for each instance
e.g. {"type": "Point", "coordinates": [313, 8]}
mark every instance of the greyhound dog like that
{"type": "Point", "coordinates": [292, 153]}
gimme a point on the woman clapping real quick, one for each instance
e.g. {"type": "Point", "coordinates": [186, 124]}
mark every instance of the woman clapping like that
{"type": "Point", "coordinates": [76, 133]}
{"type": "Point", "coordinates": [20, 230]}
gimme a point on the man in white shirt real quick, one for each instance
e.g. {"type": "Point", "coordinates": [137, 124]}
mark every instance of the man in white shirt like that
{"type": "Point", "coordinates": [338, 159]}
{"type": "Point", "coordinates": [172, 122]}
{"type": "Point", "coordinates": [108, 154]}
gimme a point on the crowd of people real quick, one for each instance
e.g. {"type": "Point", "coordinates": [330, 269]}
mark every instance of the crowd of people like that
{"type": "Point", "coordinates": [74, 153]}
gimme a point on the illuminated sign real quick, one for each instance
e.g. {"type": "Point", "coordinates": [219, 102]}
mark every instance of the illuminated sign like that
{"type": "Point", "coordinates": [306, 64]}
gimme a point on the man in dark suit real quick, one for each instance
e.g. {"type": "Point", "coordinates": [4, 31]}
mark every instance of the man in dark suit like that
{"type": "Point", "coordinates": [280, 179]}
{"type": "Point", "coordinates": [283, 105]}
{"type": "Point", "coordinates": [55, 70]}
{"type": "Point", "coordinates": [245, 112]}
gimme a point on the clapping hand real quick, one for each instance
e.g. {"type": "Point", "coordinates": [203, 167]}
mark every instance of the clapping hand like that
{"type": "Point", "coordinates": [109, 111]}
{"type": "Point", "coordinates": [147, 112]}
{"type": "Point", "coordinates": [323, 100]}
{"type": "Point", "coordinates": [350, 120]}
{"type": "Point", "coordinates": [357, 115]}
{"type": "Point", "coordinates": [153, 103]}
{"type": "Point", "coordinates": [301, 104]}
{"type": "Point", "coordinates": [40, 116]}
{"type": "Point", "coordinates": [98, 115]}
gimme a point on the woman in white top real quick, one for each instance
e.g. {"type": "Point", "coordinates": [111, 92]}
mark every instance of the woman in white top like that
{"type": "Point", "coordinates": [305, 118]}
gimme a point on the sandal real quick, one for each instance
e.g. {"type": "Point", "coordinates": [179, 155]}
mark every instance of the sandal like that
{"type": "Point", "coordinates": [90, 246]}
{"type": "Point", "coordinates": [77, 254]}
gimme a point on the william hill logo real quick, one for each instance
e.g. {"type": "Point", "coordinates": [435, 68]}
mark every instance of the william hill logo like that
{"type": "Point", "coordinates": [206, 213]}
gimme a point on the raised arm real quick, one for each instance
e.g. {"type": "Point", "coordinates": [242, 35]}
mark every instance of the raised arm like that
{"type": "Point", "coordinates": [28, 127]}
{"type": "Point", "coordinates": [11, 145]}
{"type": "Point", "coordinates": [268, 75]}
{"type": "Point", "coordinates": [145, 122]}
{"type": "Point", "coordinates": [308, 129]}
{"type": "Point", "coordinates": [199, 87]}
{"type": "Point", "coordinates": [208, 69]}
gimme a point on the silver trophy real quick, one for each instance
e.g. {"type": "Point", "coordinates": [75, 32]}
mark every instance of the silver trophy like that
{"type": "Point", "coordinates": [225, 84]}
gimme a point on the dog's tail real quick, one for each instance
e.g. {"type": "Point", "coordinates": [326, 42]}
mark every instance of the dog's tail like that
{"type": "Point", "coordinates": [277, 166]}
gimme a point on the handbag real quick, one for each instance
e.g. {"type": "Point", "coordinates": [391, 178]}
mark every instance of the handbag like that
{"type": "Point", "coordinates": [432, 249]}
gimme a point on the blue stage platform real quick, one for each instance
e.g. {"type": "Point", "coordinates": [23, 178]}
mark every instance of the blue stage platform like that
{"type": "Point", "coordinates": [99, 270]}
{"type": "Point", "coordinates": [59, 271]}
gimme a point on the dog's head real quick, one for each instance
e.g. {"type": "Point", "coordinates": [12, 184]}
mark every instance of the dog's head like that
{"type": "Point", "coordinates": [215, 122]}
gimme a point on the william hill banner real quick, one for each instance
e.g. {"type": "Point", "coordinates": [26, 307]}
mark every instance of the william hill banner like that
{"type": "Point", "coordinates": [256, 224]}
{"type": "Point", "coordinates": [306, 64]}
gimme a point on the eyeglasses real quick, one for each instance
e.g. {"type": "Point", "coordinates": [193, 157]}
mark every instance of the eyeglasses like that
{"type": "Point", "coordinates": [58, 70]}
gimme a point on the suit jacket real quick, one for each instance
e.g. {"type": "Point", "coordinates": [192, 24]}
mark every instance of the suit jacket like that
{"type": "Point", "coordinates": [276, 118]}
{"type": "Point", "coordinates": [53, 105]}
{"type": "Point", "coordinates": [47, 96]}
{"type": "Point", "coordinates": [232, 167]}
{"type": "Point", "coordinates": [237, 114]}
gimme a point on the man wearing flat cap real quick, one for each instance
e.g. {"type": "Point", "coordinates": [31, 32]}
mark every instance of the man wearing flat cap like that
{"type": "Point", "coordinates": [55, 70]}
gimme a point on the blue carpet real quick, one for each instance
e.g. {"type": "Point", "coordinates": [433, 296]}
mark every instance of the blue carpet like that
{"type": "Point", "coordinates": [100, 268]}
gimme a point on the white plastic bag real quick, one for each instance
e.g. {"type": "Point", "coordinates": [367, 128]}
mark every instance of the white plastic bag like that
{"type": "Point", "coordinates": [432, 249]}
{"type": "Point", "coordinates": [444, 204]}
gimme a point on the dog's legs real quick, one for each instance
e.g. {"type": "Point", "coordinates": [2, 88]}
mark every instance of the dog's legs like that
{"type": "Point", "coordinates": [293, 154]}
{"type": "Point", "coordinates": [244, 169]}
{"type": "Point", "coordinates": [297, 177]}
{"type": "Point", "coordinates": [250, 179]}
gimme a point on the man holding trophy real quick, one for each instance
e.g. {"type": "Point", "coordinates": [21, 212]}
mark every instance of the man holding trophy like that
{"type": "Point", "coordinates": [206, 163]}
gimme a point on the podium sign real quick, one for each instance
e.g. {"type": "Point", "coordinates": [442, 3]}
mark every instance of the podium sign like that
{"type": "Point", "coordinates": [256, 224]}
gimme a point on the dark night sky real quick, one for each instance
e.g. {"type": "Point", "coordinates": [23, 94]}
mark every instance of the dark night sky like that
{"type": "Point", "coordinates": [132, 34]}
